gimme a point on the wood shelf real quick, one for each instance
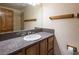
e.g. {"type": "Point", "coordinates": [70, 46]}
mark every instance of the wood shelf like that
{"type": "Point", "coordinates": [62, 16]}
{"type": "Point", "coordinates": [77, 15]}
{"type": "Point", "coordinates": [29, 20]}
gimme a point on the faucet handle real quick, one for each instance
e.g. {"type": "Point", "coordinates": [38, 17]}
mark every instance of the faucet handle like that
{"type": "Point", "coordinates": [23, 34]}
{"type": "Point", "coordinates": [33, 32]}
{"type": "Point", "coordinates": [29, 32]}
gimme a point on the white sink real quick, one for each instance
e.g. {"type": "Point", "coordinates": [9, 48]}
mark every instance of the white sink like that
{"type": "Point", "coordinates": [32, 37]}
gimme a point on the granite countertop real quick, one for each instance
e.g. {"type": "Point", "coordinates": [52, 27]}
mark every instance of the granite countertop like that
{"type": "Point", "coordinates": [14, 44]}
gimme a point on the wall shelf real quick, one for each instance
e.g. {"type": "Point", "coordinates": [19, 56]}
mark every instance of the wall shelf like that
{"type": "Point", "coordinates": [29, 20]}
{"type": "Point", "coordinates": [77, 15]}
{"type": "Point", "coordinates": [62, 16]}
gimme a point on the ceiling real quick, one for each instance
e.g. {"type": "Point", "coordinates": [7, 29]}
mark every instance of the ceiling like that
{"type": "Point", "coordinates": [19, 6]}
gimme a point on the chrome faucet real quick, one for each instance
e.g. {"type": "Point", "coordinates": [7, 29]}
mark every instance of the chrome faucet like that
{"type": "Point", "coordinates": [23, 34]}
{"type": "Point", "coordinates": [29, 32]}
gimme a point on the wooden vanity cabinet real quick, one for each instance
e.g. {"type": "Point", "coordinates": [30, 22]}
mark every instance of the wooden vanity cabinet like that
{"type": "Point", "coordinates": [50, 45]}
{"type": "Point", "coordinates": [51, 52]}
{"type": "Point", "coordinates": [20, 52]}
{"type": "Point", "coordinates": [43, 47]}
{"type": "Point", "coordinates": [33, 50]}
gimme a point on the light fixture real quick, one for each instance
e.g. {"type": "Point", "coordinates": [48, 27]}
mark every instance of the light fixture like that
{"type": "Point", "coordinates": [34, 2]}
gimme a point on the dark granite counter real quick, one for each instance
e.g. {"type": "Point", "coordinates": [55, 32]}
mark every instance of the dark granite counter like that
{"type": "Point", "coordinates": [14, 44]}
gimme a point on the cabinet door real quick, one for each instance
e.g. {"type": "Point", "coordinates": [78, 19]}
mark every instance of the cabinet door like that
{"type": "Point", "coordinates": [50, 43]}
{"type": "Point", "coordinates": [43, 47]}
{"type": "Point", "coordinates": [21, 52]}
{"type": "Point", "coordinates": [6, 20]}
{"type": "Point", "coordinates": [33, 50]}
{"type": "Point", "coordinates": [9, 26]}
{"type": "Point", "coordinates": [50, 46]}
{"type": "Point", "coordinates": [51, 52]}
{"type": "Point", "coordinates": [0, 23]}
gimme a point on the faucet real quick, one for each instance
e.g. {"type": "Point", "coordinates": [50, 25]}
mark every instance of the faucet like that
{"type": "Point", "coordinates": [29, 32]}
{"type": "Point", "coordinates": [23, 34]}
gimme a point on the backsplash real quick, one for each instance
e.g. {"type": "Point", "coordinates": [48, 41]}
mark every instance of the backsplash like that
{"type": "Point", "coordinates": [45, 30]}
{"type": "Point", "coordinates": [9, 35]}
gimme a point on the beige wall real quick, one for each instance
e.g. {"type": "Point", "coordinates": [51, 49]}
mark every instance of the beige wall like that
{"type": "Point", "coordinates": [66, 30]}
{"type": "Point", "coordinates": [17, 20]}
{"type": "Point", "coordinates": [31, 12]}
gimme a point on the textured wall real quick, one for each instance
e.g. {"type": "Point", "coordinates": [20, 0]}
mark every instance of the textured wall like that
{"type": "Point", "coordinates": [31, 12]}
{"type": "Point", "coordinates": [66, 30]}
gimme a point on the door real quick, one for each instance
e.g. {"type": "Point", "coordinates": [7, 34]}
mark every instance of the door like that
{"type": "Point", "coordinates": [50, 46]}
{"type": "Point", "coordinates": [43, 47]}
{"type": "Point", "coordinates": [0, 23]}
{"type": "Point", "coordinates": [6, 18]}
{"type": "Point", "coordinates": [21, 52]}
{"type": "Point", "coordinates": [50, 43]}
{"type": "Point", "coordinates": [33, 50]}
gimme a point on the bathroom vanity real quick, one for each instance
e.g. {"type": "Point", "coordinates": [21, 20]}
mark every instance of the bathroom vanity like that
{"type": "Point", "coordinates": [19, 46]}
{"type": "Point", "coordinates": [44, 47]}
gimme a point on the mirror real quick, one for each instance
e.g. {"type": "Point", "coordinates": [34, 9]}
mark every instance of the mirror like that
{"type": "Point", "coordinates": [19, 16]}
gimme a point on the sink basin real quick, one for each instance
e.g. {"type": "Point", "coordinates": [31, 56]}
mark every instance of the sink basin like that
{"type": "Point", "coordinates": [32, 37]}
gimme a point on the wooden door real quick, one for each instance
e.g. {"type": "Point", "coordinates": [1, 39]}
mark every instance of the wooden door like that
{"type": "Point", "coordinates": [51, 52]}
{"type": "Point", "coordinates": [0, 20]}
{"type": "Point", "coordinates": [33, 50]}
{"type": "Point", "coordinates": [50, 43]}
{"type": "Point", "coordinates": [50, 46]}
{"type": "Point", "coordinates": [43, 47]}
{"type": "Point", "coordinates": [21, 52]}
{"type": "Point", "coordinates": [0, 23]}
{"type": "Point", "coordinates": [6, 20]}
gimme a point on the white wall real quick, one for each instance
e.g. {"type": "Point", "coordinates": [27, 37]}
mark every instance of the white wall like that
{"type": "Point", "coordinates": [66, 30]}
{"type": "Point", "coordinates": [32, 12]}
{"type": "Point", "coordinates": [17, 20]}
